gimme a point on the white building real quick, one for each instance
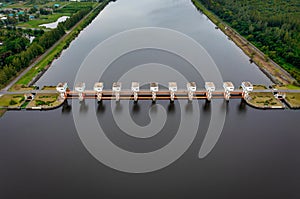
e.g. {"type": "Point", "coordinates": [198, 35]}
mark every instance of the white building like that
{"type": "Point", "coordinates": [247, 86]}
{"type": "Point", "coordinates": [191, 86]}
{"type": "Point", "coordinates": [135, 87]}
{"type": "Point", "coordinates": [62, 89]}
{"type": "Point", "coordinates": [210, 86]}
{"type": "Point", "coordinates": [98, 86]}
{"type": "Point", "coordinates": [80, 87]}
{"type": "Point", "coordinates": [173, 86]}
{"type": "Point", "coordinates": [116, 87]}
{"type": "Point", "coordinates": [154, 86]}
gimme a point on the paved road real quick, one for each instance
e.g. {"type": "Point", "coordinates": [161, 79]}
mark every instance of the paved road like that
{"type": "Point", "coordinates": [218, 91]}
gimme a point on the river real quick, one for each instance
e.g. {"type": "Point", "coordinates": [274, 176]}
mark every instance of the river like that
{"type": "Point", "coordinates": [256, 156]}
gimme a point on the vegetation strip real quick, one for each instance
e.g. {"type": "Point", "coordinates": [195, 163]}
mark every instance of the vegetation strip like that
{"type": "Point", "coordinates": [293, 100]}
{"type": "Point", "coordinates": [270, 68]}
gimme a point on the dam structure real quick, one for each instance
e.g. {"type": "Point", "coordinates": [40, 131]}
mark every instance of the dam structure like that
{"type": "Point", "coordinates": [155, 93]}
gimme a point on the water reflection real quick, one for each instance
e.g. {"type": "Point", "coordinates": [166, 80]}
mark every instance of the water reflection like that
{"type": "Point", "coordinates": [101, 107]}
{"type": "Point", "coordinates": [242, 106]}
{"type": "Point", "coordinates": [225, 106]}
{"type": "Point", "coordinates": [66, 108]}
{"type": "Point", "coordinates": [189, 107]}
{"type": "Point", "coordinates": [171, 108]}
{"type": "Point", "coordinates": [206, 106]}
{"type": "Point", "coordinates": [153, 107]}
{"type": "Point", "coordinates": [118, 107]}
{"type": "Point", "coordinates": [136, 108]}
{"type": "Point", "coordinates": [83, 107]}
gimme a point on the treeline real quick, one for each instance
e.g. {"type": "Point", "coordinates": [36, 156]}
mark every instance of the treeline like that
{"type": "Point", "coordinates": [87, 21]}
{"type": "Point", "coordinates": [16, 62]}
{"type": "Point", "coordinates": [15, 40]}
{"type": "Point", "coordinates": [76, 17]}
{"type": "Point", "coordinates": [272, 26]}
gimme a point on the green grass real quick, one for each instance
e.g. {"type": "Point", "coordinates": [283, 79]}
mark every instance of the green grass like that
{"type": "Point", "coordinates": [24, 105]}
{"type": "Point", "coordinates": [49, 100]}
{"type": "Point", "coordinates": [65, 9]}
{"type": "Point", "coordinates": [287, 87]}
{"type": "Point", "coordinates": [49, 88]}
{"type": "Point", "coordinates": [73, 7]}
{"type": "Point", "coordinates": [18, 87]}
{"type": "Point", "coordinates": [263, 100]}
{"type": "Point", "coordinates": [61, 3]}
{"type": "Point", "coordinates": [44, 19]}
{"type": "Point", "coordinates": [293, 99]}
{"type": "Point", "coordinates": [259, 87]}
{"type": "Point", "coordinates": [7, 99]}
{"type": "Point", "coordinates": [293, 87]}
{"type": "Point", "coordinates": [19, 5]}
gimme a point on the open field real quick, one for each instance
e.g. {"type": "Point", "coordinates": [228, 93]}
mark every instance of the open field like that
{"type": "Point", "coordinates": [45, 100]}
{"type": "Point", "coordinates": [259, 87]}
{"type": "Point", "coordinates": [264, 100]}
{"type": "Point", "coordinates": [287, 87]}
{"type": "Point", "coordinates": [44, 19]}
{"type": "Point", "coordinates": [19, 87]}
{"type": "Point", "coordinates": [11, 100]}
{"type": "Point", "coordinates": [293, 100]}
{"type": "Point", "coordinates": [18, 5]}
{"type": "Point", "coordinates": [65, 9]}
{"type": "Point", "coordinates": [49, 88]}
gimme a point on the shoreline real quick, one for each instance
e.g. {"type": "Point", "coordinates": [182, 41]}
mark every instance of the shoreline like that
{"type": "Point", "coordinates": [271, 69]}
{"type": "Point", "coordinates": [40, 65]}
{"type": "Point", "coordinates": [49, 98]}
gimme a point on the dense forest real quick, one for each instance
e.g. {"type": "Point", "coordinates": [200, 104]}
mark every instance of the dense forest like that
{"type": "Point", "coordinates": [272, 25]}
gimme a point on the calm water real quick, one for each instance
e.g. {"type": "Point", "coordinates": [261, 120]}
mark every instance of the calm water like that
{"type": "Point", "coordinates": [55, 24]}
{"type": "Point", "coordinates": [257, 155]}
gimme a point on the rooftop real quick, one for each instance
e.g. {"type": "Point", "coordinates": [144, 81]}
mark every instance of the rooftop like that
{"type": "Point", "coordinates": [135, 84]}
{"type": "Point", "coordinates": [60, 84]}
{"type": "Point", "coordinates": [98, 85]}
{"type": "Point", "coordinates": [154, 84]}
{"type": "Point", "coordinates": [173, 84]}
{"type": "Point", "coordinates": [80, 85]}
{"type": "Point", "coordinates": [228, 84]}
{"type": "Point", "coordinates": [210, 84]}
{"type": "Point", "coordinates": [117, 84]}
{"type": "Point", "coordinates": [247, 84]}
{"type": "Point", "coordinates": [191, 84]}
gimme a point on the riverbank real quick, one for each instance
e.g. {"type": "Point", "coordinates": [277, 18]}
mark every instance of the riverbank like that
{"type": "Point", "coordinates": [43, 101]}
{"type": "Point", "coordinates": [276, 73]}
{"type": "Point", "coordinates": [48, 98]}
{"type": "Point", "coordinates": [264, 101]}
{"type": "Point", "coordinates": [30, 101]}
{"type": "Point", "coordinates": [2, 112]}
{"type": "Point", "coordinates": [37, 70]}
